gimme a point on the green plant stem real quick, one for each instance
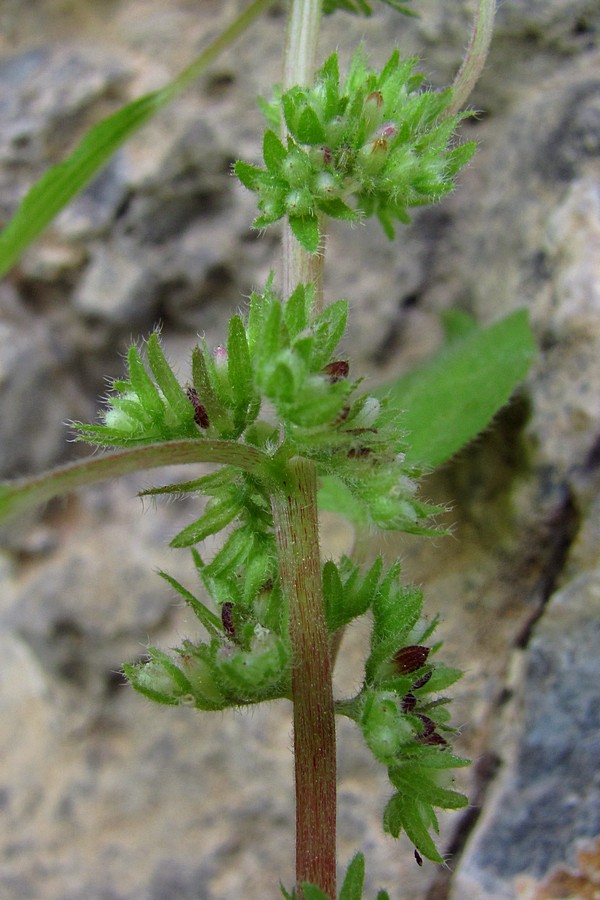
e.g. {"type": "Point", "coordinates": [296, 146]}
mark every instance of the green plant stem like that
{"type": "Point", "coordinates": [297, 535]}
{"type": "Point", "coordinates": [298, 69]}
{"type": "Point", "coordinates": [24, 493]}
{"type": "Point", "coordinates": [476, 55]}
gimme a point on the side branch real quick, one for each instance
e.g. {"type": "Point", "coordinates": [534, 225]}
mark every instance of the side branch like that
{"type": "Point", "coordinates": [24, 493]}
{"type": "Point", "coordinates": [475, 57]}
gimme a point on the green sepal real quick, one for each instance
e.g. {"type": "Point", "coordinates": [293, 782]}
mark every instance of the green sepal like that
{"type": "Point", "coordinates": [385, 729]}
{"type": "Point", "coordinates": [266, 350]}
{"type": "Point", "coordinates": [132, 672]}
{"type": "Point", "coordinates": [396, 610]}
{"type": "Point", "coordinates": [208, 619]}
{"type": "Point", "coordinates": [174, 394]}
{"type": "Point", "coordinates": [144, 387]}
{"type": "Point", "coordinates": [312, 892]}
{"type": "Point", "coordinates": [216, 410]}
{"type": "Point", "coordinates": [411, 780]}
{"type": "Point", "coordinates": [337, 209]}
{"type": "Point", "coordinates": [306, 231]}
{"type": "Point", "coordinates": [241, 376]}
{"type": "Point", "coordinates": [352, 887]}
{"type": "Point", "coordinates": [130, 412]}
{"type": "Point", "coordinates": [261, 673]}
{"type": "Point", "coordinates": [436, 758]}
{"type": "Point", "coordinates": [159, 679]}
{"type": "Point", "coordinates": [235, 551]}
{"type": "Point", "coordinates": [328, 329]}
{"type": "Point", "coordinates": [271, 109]}
{"type": "Point", "coordinates": [317, 405]}
{"type": "Point", "coordinates": [309, 129]}
{"type": "Point", "coordinates": [296, 312]}
{"type": "Point", "coordinates": [274, 153]}
{"type": "Point", "coordinates": [250, 176]}
{"type": "Point", "coordinates": [442, 677]}
{"type": "Point", "coordinates": [218, 514]}
{"type": "Point", "coordinates": [346, 595]}
{"type": "Point", "coordinates": [404, 813]}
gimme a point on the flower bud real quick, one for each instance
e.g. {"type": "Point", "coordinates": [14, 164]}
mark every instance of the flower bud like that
{"type": "Point", "coordinates": [299, 202]}
{"type": "Point", "coordinates": [296, 168]}
{"type": "Point", "coordinates": [384, 727]}
{"type": "Point", "coordinates": [373, 156]}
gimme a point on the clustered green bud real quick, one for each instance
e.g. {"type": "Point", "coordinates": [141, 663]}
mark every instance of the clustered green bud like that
{"type": "Point", "coordinates": [403, 720]}
{"type": "Point", "coordinates": [377, 145]}
{"type": "Point", "coordinates": [283, 354]}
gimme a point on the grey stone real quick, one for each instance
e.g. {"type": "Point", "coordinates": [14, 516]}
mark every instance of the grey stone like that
{"type": "Point", "coordinates": [35, 398]}
{"type": "Point", "coordinates": [105, 796]}
{"type": "Point", "coordinates": [547, 798]}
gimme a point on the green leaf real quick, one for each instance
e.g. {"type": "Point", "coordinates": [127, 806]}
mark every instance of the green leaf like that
{"type": "Point", "coordinates": [312, 892]}
{"type": "Point", "coordinates": [396, 610]}
{"type": "Point", "coordinates": [445, 403]}
{"type": "Point", "coordinates": [306, 231]}
{"type": "Point", "coordinates": [57, 187]}
{"type": "Point", "coordinates": [352, 887]}
{"type": "Point", "coordinates": [274, 152]}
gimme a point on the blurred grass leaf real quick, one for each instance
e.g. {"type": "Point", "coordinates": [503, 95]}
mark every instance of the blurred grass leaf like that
{"type": "Point", "coordinates": [61, 183]}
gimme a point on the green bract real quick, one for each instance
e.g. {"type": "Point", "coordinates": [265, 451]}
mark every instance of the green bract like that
{"type": "Point", "coordinates": [279, 357]}
{"type": "Point", "coordinates": [376, 145]}
{"type": "Point", "coordinates": [404, 722]}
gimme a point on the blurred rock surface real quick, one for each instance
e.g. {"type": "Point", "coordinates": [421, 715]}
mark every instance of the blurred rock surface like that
{"type": "Point", "coordinates": [103, 796]}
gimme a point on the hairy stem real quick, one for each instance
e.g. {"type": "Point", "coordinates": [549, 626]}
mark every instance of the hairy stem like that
{"type": "Point", "coordinates": [476, 55]}
{"type": "Point", "coordinates": [296, 525]}
{"type": "Point", "coordinates": [298, 69]}
{"type": "Point", "coordinates": [296, 530]}
{"type": "Point", "coordinates": [24, 493]}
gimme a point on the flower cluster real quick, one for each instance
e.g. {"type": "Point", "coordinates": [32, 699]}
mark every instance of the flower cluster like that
{"type": "Point", "coordinates": [283, 354]}
{"type": "Point", "coordinates": [405, 725]}
{"type": "Point", "coordinates": [378, 144]}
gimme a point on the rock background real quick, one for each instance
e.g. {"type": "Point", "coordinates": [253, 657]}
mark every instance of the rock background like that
{"type": "Point", "coordinates": [104, 797]}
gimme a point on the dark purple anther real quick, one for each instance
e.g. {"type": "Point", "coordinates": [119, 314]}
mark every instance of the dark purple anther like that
{"type": "Point", "coordinates": [337, 370]}
{"type": "Point", "coordinates": [409, 659]}
{"type": "Point", "coordinates": [200, 414]}
{"type": "Point", "coordinates": [227, 618]}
